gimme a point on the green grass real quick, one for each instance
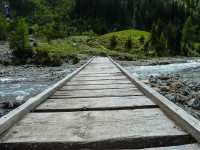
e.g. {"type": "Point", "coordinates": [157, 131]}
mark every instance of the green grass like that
{"type": "Point", "coordinates": [122, 37]}
{"type": "Point", "coordinates": [134, 34]}
{"type": "Point", "coordinates": [64, 47]}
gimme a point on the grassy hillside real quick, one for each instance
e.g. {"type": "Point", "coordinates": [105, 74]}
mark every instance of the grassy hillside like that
{"type": "Point", "coordinates": [96, 45]}
{"type": "Point", "coordinates": [122, 36]}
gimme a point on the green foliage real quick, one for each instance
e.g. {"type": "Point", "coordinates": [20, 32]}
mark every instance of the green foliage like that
{"type": "Point", "coordinates": [42, 57]}
{"type": "Point", "coordinates": [90, 33]}
{"type": "Point", "coordinates": [142, 39]}
{"type": "Point", "coordinates": [162, 40]}
{"type": "Point", "coordinates": [3, 28]}
{"type": "Point", "coordinates": [128, 44]}
{"type": "Point", "coordinates": [113, 42]}
{"type": "Point", "coordinates": [189, 35]}
{"type": "Point", "coordinates": [19, 42]}
{"type": "Point", "coordinates": [36, 30]}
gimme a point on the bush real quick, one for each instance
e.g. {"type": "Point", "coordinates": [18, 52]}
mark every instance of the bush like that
{"type": "Point", "coordinates": [128, 44]}
{"type": "Point", "coordinates": [19, 42]}
{"type": "Point", "coordinates": [42, 57]}
{"type": "Point", "coordinates": [56, 61]}
{"type": "Point", "coordinates": [113, 42]}
{"type": "Point", "coordinates": [3, 28]}
{"type": "Point", "coordinates": [5, 62]}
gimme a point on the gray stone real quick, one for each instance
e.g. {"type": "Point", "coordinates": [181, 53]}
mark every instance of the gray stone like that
{"type": "Point", "coordinates": [9, 105]}
{"type": "Point", "coordinates": [194, 103]}
{"type": "Point", "coordinates": [18, 103]}
{"type": "Point", "coordinates": [182, 98]}
{"type": "Point", "coordinates": [185, 92]}
{"type": "Point", "coordinates": [171, 98]}
{"type": "Point", "coordinates": [165, 88]}
{"type": "Point", "coordinates": [162, 77]}
{"type": "Point", "coordinates": [75, 45]}
{"type": "Point", "coordinates": [145, 81]}
{"type": "Point", "coordinates": [20, 98]}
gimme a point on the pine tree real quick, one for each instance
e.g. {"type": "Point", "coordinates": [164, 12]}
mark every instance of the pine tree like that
{"type": "Point", "coordinates": [153, 37]}
{"type": "Point", "coordinates": [128, 44]}
{"type": "Point", "coordinates": [36, 30]}
{"type": "Point", "coordinates": [3, 28]}
{"type": "Point", "coordinates": [113, 42]}
{"type": "Point", "coordinates": [19, 42]}
{"type": "Point", "coordinates": [142, 39]}
{"type": "Point", "coordinates": [189, 34]}
{"type": "Point", "coordinates": [178, 36]}
{"type": "Point", "coordinates": [162, 40]}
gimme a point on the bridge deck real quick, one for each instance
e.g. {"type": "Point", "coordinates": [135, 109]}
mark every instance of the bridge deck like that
{"type": "Point", "coordinates": [98, 108]}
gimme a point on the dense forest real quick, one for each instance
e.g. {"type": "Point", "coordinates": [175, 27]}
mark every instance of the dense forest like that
{"type": "Point", "coordinates": [172, 23]}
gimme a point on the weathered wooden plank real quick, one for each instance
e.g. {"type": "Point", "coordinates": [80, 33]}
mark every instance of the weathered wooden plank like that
{"type": "Point", "coordinates": [13, 116]}
{"type": "Point", "coordinates": [104, 102]}
{"type": "Point", "coordinates": [99, 75]}
{"type": "Point", "coordinates": [100, 82]}
{"type": "Point", "coordinates": [97, 93]}
{"type": "Point", "coordinates": [181, 117]}
{"type": "Point", "coordinates": [181, 147]}
{"type": "Point", "coordinates": [100, 129]}
{"type": "Point", "coordinates": [99, 78]}
{"type": "Point", "coordinates": [98, 72]}
{"type": "Point", "coordinates": [97, 87]}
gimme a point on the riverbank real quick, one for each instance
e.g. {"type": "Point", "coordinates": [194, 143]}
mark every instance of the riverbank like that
{"type": "Point", "coordinates": [19, 83]}
{"type": "Point", "coordinates": [176, 78]}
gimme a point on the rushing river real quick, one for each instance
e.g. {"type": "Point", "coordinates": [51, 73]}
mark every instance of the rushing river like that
{"type": "Point", "coordinates": [12, 89]}
{"type": "Point", "coordinates": [144, 72]}
{"type": "Point", "coordinates": [24, 90]}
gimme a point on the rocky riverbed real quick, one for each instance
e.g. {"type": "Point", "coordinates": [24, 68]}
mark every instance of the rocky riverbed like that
{"type": "Point", "coordinates": [19, 83]}
{"type": "Point", "coordinates": [176, 79]}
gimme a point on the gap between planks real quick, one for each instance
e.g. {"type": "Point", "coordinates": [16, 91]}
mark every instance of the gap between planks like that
{"type": "Point", "coordinates": [94, 109]}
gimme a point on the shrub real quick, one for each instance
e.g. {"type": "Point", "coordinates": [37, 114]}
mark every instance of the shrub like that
{"type": "Point", "coordinates": [42, 57]}
{"type": "Point", "coordinates": [128, 44]}
{"type": "Point", "coordinates": [113, 42]}
{"type": "Point", "coordinates": [19, 42]}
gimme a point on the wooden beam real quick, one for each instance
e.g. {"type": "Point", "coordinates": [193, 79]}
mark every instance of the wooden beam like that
{"type": "Point", "coordinates": [178, 115]}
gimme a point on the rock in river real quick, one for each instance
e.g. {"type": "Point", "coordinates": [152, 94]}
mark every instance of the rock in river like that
{"type": "Point", "coordinates": [165, 88]}
{"type": "Point", "coordinates": [194, 103]}
{"type": "Point", "coordinates": [181, 98]}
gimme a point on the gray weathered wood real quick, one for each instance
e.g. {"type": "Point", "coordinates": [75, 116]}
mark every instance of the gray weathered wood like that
{"type": "Point", "coordinates": [97, 93]}
{"type": "Point", "coordinates": [105, 102]}
{"type": "Point", "coordinates": [99, 108]}
{"type": "Point", "coordinates": [97, 87]}
{"type": "Point", "coordinates": [99, 82]}
{"type": "Point", "coordinates": [99, 78]}
{"type": "Point", "coordinates": [181, 147]}
{"type": "Point", "coordinates": [92, 72]}
{"type": "Point", "coordinates": [100, 75]}
{"type": "Point", "coordinates": [181, 117]}
{"type": "Point", "coordinates": [15, 115]}
{"type": "Point", "coordinates": [91, 126]}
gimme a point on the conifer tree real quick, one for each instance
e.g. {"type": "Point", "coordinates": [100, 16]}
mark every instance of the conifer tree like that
{"type": "Point", "coordinates": [113, 42]}
{"type": "Point", "coordinates": [189, 34]}
{"type": "Point", "coordinates": [19, 42]}
{"type": "Point", "coordinates": [3, 28]}
{"type": "Point", "coordinates": [36, 30]}
{"type": "Point", "coordinates": [162, 40]}
{"type": "Point", "coordinates": [128, 44]}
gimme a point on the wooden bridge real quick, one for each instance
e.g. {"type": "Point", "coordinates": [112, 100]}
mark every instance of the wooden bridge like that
{"type": "Point", "coordinates": [99, 106]}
